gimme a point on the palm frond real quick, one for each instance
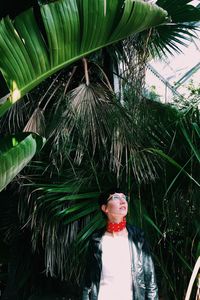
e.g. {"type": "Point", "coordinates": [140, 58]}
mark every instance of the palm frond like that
{"type": "Point", "coordinates": [72, 30]}
{"type": "Point", "coordinates": [86, 119]}
{"type": "Point", "coordinates": [167, 38]}
{"type": "Point", "coordinates": [36, 123]}
{"type": "Point", "coordinates": [63, 217]}
{"type": "Point", "coordinates": [180, 11]}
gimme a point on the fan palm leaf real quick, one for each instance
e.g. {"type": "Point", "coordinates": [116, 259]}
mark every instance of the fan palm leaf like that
{"type": "Point", "coordinates": [167, 38]}
{"type": "Point", "coordinates": [72, 29]}
{"type": "Point", "coordinates": [95, 126]}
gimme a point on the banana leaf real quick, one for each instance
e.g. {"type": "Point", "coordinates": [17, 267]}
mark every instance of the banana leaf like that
{"type": "Point", "coordinates": [67, 30]}
{"type": "Point", "coordinates": [15, 152]}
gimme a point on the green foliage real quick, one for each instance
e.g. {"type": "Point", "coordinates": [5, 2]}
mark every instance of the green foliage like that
{"type": "Point", "coordinates": [165, 39]}
{"type": "Point", "coordinates": [94, 141]}
{"type": "Point", "coordinates": [152, 94]}
{"type": "Point", "coordinates": [164, 207]}
{"type": "Point", "coordinates": [190, 99]}
{"type": "Point", "coordinates": [15, 152]}
{"type": "Point", "coordinates": [72, 31]}
{"type": "Point", "coordinates": [63, 202]}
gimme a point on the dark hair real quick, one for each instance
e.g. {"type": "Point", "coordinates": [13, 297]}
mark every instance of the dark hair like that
{"type": "Point", "coordinates": [103, 197]}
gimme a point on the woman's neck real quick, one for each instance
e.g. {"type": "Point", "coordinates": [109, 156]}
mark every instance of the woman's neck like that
{"type": "Point", "coordinates": [123, 232]}
{"type": "Point", "coordinates": [115, 219]}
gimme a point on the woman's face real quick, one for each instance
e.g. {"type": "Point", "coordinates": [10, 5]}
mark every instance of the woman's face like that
{"type": "Point", "coordinates": [116, 207]}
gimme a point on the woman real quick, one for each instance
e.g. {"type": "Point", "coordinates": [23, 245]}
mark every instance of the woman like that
{"type": "Point", "coordinates": [119, 265]}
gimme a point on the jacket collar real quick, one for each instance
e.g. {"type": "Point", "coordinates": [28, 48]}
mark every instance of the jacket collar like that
{"type": "Point", "coordinates": [96, 236]}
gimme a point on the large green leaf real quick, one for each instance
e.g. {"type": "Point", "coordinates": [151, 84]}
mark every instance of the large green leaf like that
{"type": "Point", "coordinates": [15, 153]}
{"type": "Point", "coordinates": [72, 29]}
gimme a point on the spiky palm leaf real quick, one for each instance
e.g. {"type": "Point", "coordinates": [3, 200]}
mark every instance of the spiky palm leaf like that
{"type": "Point", "coordinates": [73, 29]}
{"type": "Point", "coordinates": [167, 39]}
{"type": "Point", "coordinates": [62, 213]}
{"type": "Point", "coordinates": [88, 112]}
{"type": "Point", "coordinates": [95, 126]}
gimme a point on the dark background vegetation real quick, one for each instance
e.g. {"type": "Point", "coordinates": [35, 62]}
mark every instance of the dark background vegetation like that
{"type": "Point", "coordinates": [163, 199]}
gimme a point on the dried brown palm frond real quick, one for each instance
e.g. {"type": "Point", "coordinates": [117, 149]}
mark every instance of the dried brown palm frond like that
{"type": "Point", "coordinates": [36, 123]}
{"type": "Point", "coordinates": [95, 127]}
{"type": "Point", "coordinates": [86, 120]}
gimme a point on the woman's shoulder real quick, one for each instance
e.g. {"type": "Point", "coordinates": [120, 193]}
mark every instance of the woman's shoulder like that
{"type": "Point", "coordinates": [97, 234]}
{"type": "Point", "coordinates": [135, 232]}
{"type": "Point", "coordinates": [134, 229]}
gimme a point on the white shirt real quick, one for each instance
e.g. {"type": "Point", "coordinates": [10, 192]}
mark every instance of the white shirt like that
{"type": "Point", "coordinates": [116, 279]}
